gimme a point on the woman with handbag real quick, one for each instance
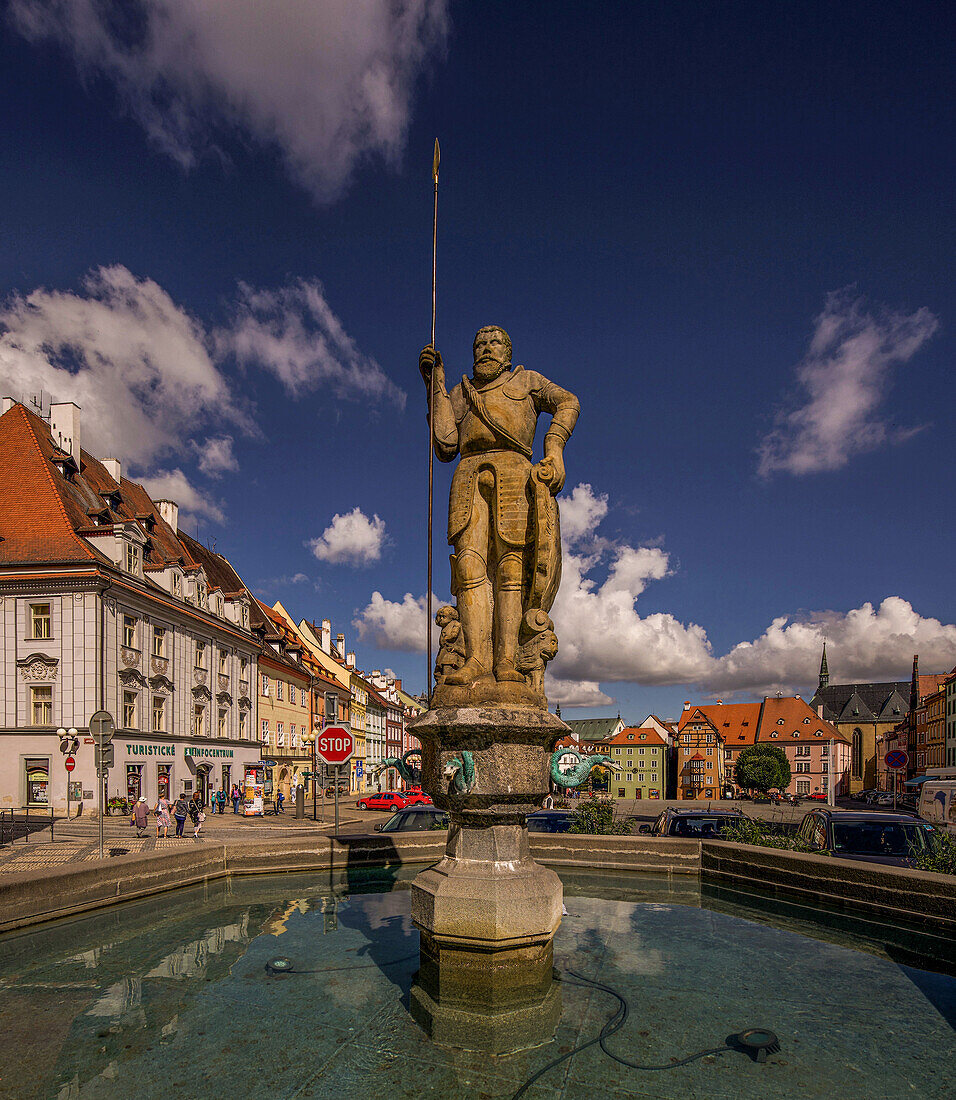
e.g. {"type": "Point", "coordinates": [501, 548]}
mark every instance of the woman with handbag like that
{"type": "Point", "coordinates": [196, 814]}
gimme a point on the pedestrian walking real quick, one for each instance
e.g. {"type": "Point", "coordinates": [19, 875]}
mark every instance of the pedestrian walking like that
{"type": "Point", "coordinates": [280, 798]}
{"type": "Point", "coordinates": [221, 800]}
{"type": "Point", "coordinates": [196, 814]}
{"type": "Point", "coordinates": [235, 798]}
{"type": "Point", "coordinates": [181, 812]}
{"type": "Point", "coordinates": [162, 816]}
{"type": "Point", "coordinates": [140, 816]}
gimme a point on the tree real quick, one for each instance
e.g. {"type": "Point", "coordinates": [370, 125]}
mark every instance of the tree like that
{"type": "Point", "coordinates": [762, 768]}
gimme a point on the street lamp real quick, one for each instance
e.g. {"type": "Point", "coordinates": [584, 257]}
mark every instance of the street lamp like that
{"type": "Point", "coordinates": [310, 741]}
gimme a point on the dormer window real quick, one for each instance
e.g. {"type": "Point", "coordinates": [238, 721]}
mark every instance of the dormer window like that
{"type": "Point", "coordinates": [806, 721]}
{"type": "Point", "coordinates": [795, 734]}
{"type": "Point", "coordinates": [133, 559]}
{"type": "Point", "coordinates": [774, 734]}
{"type": "Point", "coordinates": [177, 585]}
{"type": "Point", "coordinates": [779, 721]}
{"type": "Point", "coordinates": [201, 598]}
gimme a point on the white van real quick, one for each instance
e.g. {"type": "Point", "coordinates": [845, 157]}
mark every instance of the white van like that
{"type": "Point", "coordinates": [937, 803]}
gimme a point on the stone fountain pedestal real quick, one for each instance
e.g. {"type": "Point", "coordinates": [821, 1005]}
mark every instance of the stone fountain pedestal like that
{"type": "Point", "coordinates": [487, 913]}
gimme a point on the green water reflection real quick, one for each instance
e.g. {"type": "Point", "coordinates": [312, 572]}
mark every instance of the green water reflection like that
{"type": "Point", "coordinates": [172, 996]}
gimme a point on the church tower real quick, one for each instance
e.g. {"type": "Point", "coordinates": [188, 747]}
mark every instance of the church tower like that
{"type": "Point", "coordinates": [824, 671]}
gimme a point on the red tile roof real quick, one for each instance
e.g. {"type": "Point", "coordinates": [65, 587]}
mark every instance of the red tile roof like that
{"type": "Point", "coordinates": [797, 718]}
{"type": "Point", "coordinates": [632, 735]}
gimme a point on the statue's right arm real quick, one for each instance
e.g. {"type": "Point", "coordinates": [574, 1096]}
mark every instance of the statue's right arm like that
{"type": "Point", "coordinates": [445, 427]}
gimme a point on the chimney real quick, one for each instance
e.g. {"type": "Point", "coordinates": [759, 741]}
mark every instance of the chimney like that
{"type": "Point", "coordinates": [8, 403]}
{"type": "Point", "coordinates": [350, 660]}
{"type": "Point", "coordinates": [169, 510]}
{"type": "Point", "coordinates": [114, 468]}
{"type": "Point", "coordinates": [340, 645]}
{"type": "Point", "coordinates": [398, 684]}
{"type": "Point", "coordinates": [327, 636]}
{"type": "Point", "coordinates": [65, 427]}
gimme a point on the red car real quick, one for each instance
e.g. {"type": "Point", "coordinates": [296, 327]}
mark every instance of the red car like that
{"type": "Point", "coordinates": [817, 796]}
{"type": "Point", "coordinates": [416, 797]}
{"type": "Point", "coordinates": [387, 800]}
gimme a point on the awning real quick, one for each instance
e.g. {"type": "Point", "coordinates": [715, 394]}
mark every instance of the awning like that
{"type": "Point", "coordinates": [917, 781]}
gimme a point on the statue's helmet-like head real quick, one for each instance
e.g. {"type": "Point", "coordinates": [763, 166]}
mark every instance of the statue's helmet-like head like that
{"type": "Point", "coordinates": [492, 350]}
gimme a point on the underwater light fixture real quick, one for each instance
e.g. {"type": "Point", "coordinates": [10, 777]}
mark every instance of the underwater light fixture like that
{"type": "Point", "coordinates": [758, 1042]}
{"type": "Point", "coordinates": [280, 965]}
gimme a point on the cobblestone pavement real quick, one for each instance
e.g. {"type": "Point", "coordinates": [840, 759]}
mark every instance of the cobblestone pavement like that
{"type": "Point", "coordinates": [77, 840]}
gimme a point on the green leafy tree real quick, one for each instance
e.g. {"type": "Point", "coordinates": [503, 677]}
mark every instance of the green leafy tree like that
{"type": "Point", "coordinates": [940, 856]}
{"type": "Point", "coordinates": [596, 815]}
{"type": "Point", "coordinates": [762, 768]}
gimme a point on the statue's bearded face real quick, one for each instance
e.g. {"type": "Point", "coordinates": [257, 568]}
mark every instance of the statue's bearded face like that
{"type": "Point", "coordinates": [492, 353]}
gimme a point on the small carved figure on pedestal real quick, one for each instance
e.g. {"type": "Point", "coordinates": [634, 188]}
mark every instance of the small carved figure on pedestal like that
{"type": "Point", "coordinates": [451, 644]}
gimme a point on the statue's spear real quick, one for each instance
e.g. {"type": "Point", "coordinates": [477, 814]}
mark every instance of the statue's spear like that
{"type": "Point", "coordinates": [431, 410]}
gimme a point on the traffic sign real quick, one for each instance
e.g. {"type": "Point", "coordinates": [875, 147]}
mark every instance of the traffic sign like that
{"type": "Point", "coordinates": [108, 759]}
{"type": "Point", "coordinates": [69, 763]}
{"type": "Point", "coordinates": [896, 759]}
{"type": "Point", "coordinates": [335, 745]}
{"type": "Point", "coordinates": [102, 725]}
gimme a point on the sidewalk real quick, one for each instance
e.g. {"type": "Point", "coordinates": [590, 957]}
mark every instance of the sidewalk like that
{"type": "Point", "coordinates": [77, 840]}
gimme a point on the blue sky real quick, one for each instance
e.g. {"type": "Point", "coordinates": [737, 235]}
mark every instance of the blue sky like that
{"type": "Point", "coordinates": [727, 227]}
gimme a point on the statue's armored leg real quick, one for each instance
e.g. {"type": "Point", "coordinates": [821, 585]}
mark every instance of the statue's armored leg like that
{"type": "Point", "coordinates": [508, 617]}
{"type": "Point", "coordinates": [474, 610]}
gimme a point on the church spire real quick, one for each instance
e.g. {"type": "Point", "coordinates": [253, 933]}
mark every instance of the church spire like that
{"type": "Point", "coordinates": [914, 685]}
{"type": "Point", "coordinates": [824, 670]}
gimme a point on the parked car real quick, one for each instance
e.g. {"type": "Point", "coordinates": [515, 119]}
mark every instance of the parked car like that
{"type": "Point", "coordinates": [550, 821]}
{"type": "Point", "coordinates": [937, 803]}
{"type": "Point", "coordinates": [817, 796]}
{"type": "Point", "coordinates": [415, 796]}
{"type": "Point", "coordinates": [696, 824]}
{"type": "Point", "coordinates": [874, 796]}
{"type": "Point", "coordinates": [894, 839]}
{"type": "Point", "coordinates": [387, 800]}
{"type": "Point", "coordinates": [414, 819]}
{"type": "Point", "coordinates": [343, 789]}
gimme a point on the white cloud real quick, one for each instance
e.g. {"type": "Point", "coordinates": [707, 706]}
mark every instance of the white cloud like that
{"type": "Point", "coordinates": [388, 624]}
{"type": "Point", "coordinates": [137, 364]}
{"type": "Point", "coordinates": [148, 376]}
{"type": "Point", "coordinates": [581, 511]}
{"type": "Point", "coordinates": [846, 373]}
{"type": "Point", "coordinates": [350, 539]}
{"type": "Point", "coordinates": [293, 333]}
{"type": "Point", "coordinates": [864, 644]}
{"type": "Point", "coordinates": [575, 693]}
{"type": "Point", "coordinates": [193, 503]}
{"type": "Point", "coordinates": [216, 456]}
{"type": "Point", "coordinates": [327, 84]}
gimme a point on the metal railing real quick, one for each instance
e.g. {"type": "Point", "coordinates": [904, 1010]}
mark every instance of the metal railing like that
{"type": "Point", "coordinates": [16, 826]}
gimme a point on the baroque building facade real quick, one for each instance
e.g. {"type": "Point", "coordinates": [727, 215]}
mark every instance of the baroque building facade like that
{"type": "Point", "coordinates": [106, 607]}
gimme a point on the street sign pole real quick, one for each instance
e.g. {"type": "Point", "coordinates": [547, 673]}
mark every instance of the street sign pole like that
{"type": "Point", "coordinates": [338, 773]}
{"type": "Point", "coordinates": [102, 727]}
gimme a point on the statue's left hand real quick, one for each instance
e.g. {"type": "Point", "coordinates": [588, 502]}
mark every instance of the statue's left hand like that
{"type": "Point", "coordinates": [551, 470]}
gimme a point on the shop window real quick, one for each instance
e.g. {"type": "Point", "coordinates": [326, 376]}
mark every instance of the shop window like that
{"type": "Point", "coordinates": [38, 782]}
{"type": "Point", "coordinates": [129, 710]}
{"type": "Point", "coordinates": [129, 632]}
{"type": "Point", "coordinates": [164, 780]}
{"type": "Point", "coordinates": [199, 721]}
{"type": "Point", "coordinates": [41, 626]}
{"type": "Point", "coordinates": [134, 781]}
{"type": "Point", "coordinates": [620, 792]}
{"type": "Point", "coordinates": [41, 705]}
{"type": "Point", "coordinates": [159, 641]}
{"type": "Point", "coordinates": [159, 714]}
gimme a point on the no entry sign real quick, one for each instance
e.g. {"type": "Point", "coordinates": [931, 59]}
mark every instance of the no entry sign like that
{"type": "Point", "coordinates": [896, 759]}
{"type": "Point", "coordinates": [69, 763]}
{"type": "Point", "coordinates": [335, 745]}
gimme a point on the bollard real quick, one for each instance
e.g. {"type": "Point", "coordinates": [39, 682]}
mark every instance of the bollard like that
{"type": "Point", "coordinates": [299, 802]}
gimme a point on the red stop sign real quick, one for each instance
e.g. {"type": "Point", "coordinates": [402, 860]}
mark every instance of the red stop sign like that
{"type": "Point", "coordinates": [335, 745]}
{"type": "Point", "coordinates": [69, 763]}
